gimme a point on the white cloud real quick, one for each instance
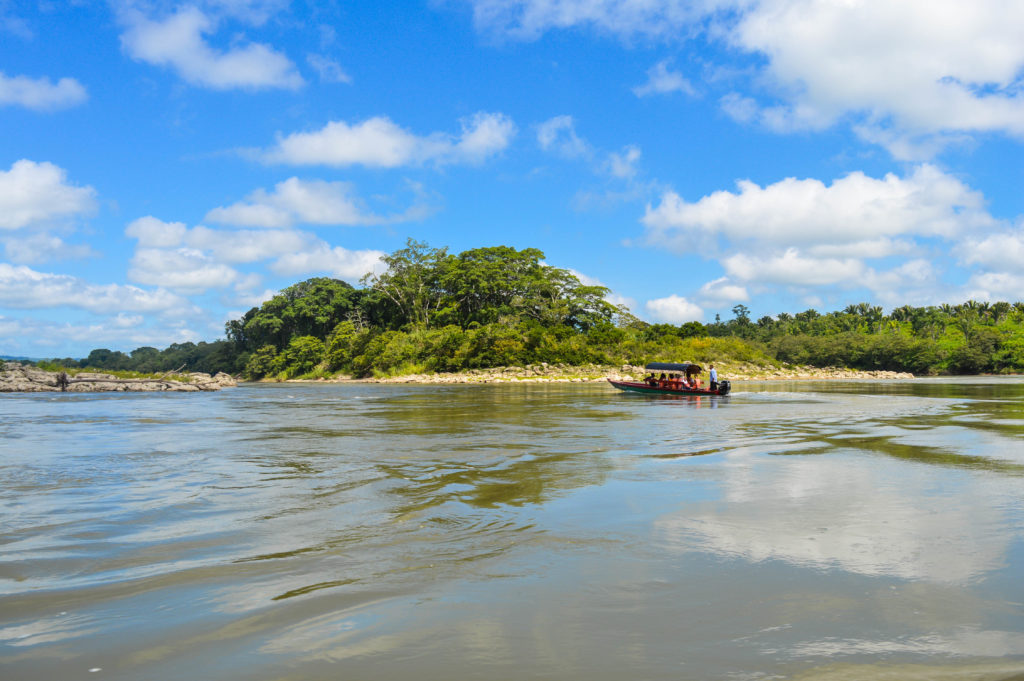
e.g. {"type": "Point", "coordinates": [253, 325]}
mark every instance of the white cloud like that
{"type": "Point", "coordinates": [1002, 251]}
{"type": "Point", "coordinates": [304, 201]}
{"type": "Point", "coordinates": [661, 80]}
{"type": "Point", "coordinates": [25, 288]}
{"type": "Point", "coordinates": [869, 248]}
{"type": "Point", "coordinates": [182, 269]}
{"type": "Point", "coordinates": [329, 70]}
{"type": "Point", "coordinates": [243, 246]}
{"type": "Point", "coordinates": [721, 293]}
{"type": "Point", "coordinates": [922, 66]}
{"type": "Point", "coordinates": [379, 142]}
{"type": "Point", "coordinates": [38, 248]}
{"type": "Point", "coordinates": [38, 193]}
{"type": "Point", "coordinates": [528, 19]}
{"type": "Point", "coordinates": [623, 165]}
{"type": "Point", "coordinates": [336, 261]}
{"type": "Point", "coordinates": [909, 75]}
{"type": "Point", "coordinates": [178, 41]}
{"type": "Point", "coordinates": [36, 337]}
{"type": "Point", "coordinates": [40, 94]}
{"type": "Point", "coordinates": [197, 259]}
{"type": "Point", "coordinates": [792, 268]}
{"type": "Point", "coordinates": [558, 134]}
{"type": "Point", "coordinates": [154, 233]}
{"type": "Point", "coordinates": [995, 286]}
{"type": "Point", "coordinates": [851, 210]}
{"type": "Point", "coordinates": [673, 310]}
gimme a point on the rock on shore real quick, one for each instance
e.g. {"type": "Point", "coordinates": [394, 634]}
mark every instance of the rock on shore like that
{"type": "Point", "coordinates": [15, 377]}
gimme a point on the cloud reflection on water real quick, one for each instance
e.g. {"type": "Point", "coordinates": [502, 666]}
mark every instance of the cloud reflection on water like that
{"type": "Point", "coordinates": [826, 513]}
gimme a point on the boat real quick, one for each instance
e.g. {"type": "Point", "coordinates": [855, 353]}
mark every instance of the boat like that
{"type": "Point", "coordinates": [675, 379]}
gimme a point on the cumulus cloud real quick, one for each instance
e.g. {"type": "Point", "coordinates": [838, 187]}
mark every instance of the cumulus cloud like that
{"type": "Point", "coordinates": [721, 293]}
{"type": "Point", "coordinates": [154, 233]}
{"type": "Point", "coordinates": [924, 66]}
{"type": "Point", "coordinates": [38, 248]}
{"type": "Point", "coordinates": [379, 142]}
{"type": "Point", "coordinates": [38, 193]}
{"type": "Point", "coordinates": [1002, 251]}
{"type": "Point", "coordinates": [243, 246]}
{"type": "Point", "coordinates": [909, 75]}
{"type": "Point", "coordinates": [25, 288]}
{"type": "Point", "coordinates": [314, 202]}
{"type": "Point", "coordinates": [809, 237]}
{"type": "Point", "coordinates": [33, 336]}
{"type": "Point", "coordinates": [673, 310]}
{"type": "Point", "coordinates": [178, 41]}
{"type": "Point", "coordinates": [661, 80]}
{"type": "Point", "coordinates": [194, 260]}
{"type": "Point", "coordinates": [329, 70]}
{"type": "Point", "coordinates": [40, 94]}
{"type": "Point", "coordinates": [529, 19]}
{"type": "Point", "coordinates": [994, 286]}
{"type": "Point", "coordinates": [792, 268]}
{"type": "Point", "coordinates": [336, 261]}
{"type": "Point", "coordinates": [852, 210]}
{"type": "Point", "coordinates": [558, 135]}
{"type": "Point", "coordinates": [182, 269]}
{"type": "Point", "coordinates": [623, 165]}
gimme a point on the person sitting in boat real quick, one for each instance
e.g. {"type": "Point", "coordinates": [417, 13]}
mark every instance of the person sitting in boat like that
{"type": "Point", "coordinates": [651, 380]}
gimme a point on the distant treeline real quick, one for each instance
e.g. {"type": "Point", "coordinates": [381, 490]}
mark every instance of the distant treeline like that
{"type": "Point", "coordinates": [434, 311]}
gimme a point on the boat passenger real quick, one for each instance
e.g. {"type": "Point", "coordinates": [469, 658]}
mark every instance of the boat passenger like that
{"type": "Point", "coordinates": [713, 376]}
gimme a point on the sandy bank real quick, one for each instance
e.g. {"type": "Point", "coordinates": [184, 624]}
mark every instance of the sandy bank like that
{"type": "Point", "coordinates": [592, 373]}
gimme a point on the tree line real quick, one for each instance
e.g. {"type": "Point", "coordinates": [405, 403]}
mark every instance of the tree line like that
{"type": "Point", "coordinates": [431, 310]}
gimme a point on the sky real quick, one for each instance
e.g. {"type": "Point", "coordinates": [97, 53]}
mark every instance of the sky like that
{"type": "Point", "coordinates": [165, 166]}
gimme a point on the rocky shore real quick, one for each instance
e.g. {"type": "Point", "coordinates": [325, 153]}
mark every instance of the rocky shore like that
{"type": "Point", "coordinates": [593, 373]}
{"type": "Point", "coordinates": [15, 377]}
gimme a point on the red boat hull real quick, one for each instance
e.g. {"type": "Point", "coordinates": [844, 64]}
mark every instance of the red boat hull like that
{"type": "Point", "coordinates": [631, 386]}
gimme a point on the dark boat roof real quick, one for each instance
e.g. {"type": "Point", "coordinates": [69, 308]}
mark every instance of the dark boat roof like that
{"type": "Point", "coordinates": [687, 367]}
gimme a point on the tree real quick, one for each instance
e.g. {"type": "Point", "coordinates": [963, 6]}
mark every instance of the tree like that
{"type": "Point", "coordinates": [411, 281]}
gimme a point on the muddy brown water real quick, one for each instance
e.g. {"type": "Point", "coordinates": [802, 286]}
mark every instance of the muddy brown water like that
{"type": "Point", "coordinates": [793, 530]}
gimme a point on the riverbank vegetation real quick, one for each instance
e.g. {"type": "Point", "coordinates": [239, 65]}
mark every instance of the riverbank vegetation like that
{"type": "Point", "coordinates": [432, 311]}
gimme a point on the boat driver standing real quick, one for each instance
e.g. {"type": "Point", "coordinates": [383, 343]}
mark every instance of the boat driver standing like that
{"type": "Point", "coordinates": [713, 376]}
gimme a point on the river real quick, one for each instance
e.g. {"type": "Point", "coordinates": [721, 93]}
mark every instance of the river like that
{"type": "Point", "coordinates": [792, 530]}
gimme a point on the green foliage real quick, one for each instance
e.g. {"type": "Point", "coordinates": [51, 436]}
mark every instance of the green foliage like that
{"type": "Point", "coordinates": [497, 306]}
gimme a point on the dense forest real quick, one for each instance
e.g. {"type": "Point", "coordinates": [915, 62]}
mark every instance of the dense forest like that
{"type": "Point", "coordinates": [434, 311]}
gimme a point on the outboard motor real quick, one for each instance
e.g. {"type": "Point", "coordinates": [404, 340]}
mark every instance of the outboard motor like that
{"type": "Point", "coordinates": [724, 387]}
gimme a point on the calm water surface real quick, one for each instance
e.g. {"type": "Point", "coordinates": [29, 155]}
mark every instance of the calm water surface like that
{"type": "Point", "coordinates": [791, 530]}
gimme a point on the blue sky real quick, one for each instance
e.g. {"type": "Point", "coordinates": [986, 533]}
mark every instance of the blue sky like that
{"type": "Point", "coordinates": [164, 166]}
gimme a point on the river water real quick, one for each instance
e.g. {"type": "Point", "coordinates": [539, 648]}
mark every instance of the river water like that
{"type": "Point", "coordinates": [812, 530]}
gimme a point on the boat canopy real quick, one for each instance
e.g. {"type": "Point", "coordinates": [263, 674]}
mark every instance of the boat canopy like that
{"type": "Point", "coordinates": [682, 367]}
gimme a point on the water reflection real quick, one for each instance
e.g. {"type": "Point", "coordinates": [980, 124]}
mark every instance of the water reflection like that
{"type": "Point", "coordinates": [317, 531]}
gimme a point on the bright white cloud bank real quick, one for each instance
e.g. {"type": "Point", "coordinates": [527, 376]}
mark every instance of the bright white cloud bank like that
{"type": "Point", "coordinates": [673, 310]}
{"type": "Point", "coordinates": [379, 142]}
{"type": "Point", "coordinates": [199, 259]}
{"type": "Point", "coordinates": [178, 42]}
{"type": "Point", "coordinates": [37, 193]}
{"type": "Point", "coordinates": [25, 288]}
{"type": "Point", "coordinates": [805, 234]}
{"type": "Point", "coordinates": [293, 201]}
{"type": "Point", "coordinates": [40, 94]}
{"type": "Point", "coordinates": [851, 211]}
{"type": "Point", "coordinates": [907, 74]}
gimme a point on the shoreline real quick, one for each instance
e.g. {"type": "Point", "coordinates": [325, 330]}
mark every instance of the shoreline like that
{"type": "Point", "coordinates": [561, 373]}
{"type": "Point", "coordinates": [21, 378]}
